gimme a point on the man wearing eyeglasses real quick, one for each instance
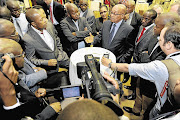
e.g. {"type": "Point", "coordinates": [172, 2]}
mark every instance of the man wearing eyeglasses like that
{"type": "Point", "coordinates": [116, 35]}
{"type": "Point", "coordinates": [85, 12]}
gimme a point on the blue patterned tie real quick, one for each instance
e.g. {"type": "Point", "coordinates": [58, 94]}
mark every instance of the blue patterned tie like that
{"type": "Point", "coordinates": [111, 34]}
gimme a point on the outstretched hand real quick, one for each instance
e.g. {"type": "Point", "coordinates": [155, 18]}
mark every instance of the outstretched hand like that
{"type": "Point", "coordinates": [89, 39]}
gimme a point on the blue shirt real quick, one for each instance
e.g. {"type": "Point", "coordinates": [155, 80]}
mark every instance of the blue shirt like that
{"type": "Point", "coordinates": [116, 28]}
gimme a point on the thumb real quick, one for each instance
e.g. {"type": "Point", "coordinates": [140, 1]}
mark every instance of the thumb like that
{"type": "Point", "coordinates": [90, 34]}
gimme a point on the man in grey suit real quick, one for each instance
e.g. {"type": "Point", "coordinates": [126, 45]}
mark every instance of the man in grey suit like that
{"type": "Point", "coordinates": [43, 47]}
{"type": "Point", "coordinates": [85, 12]}
{"type": "Point", "coordinates": [116, 35]}
{"type": "Point", "coordinates": [75, 29]}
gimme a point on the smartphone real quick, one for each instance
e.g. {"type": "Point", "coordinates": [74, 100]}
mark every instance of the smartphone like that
{"type": "Point", "coordinates": [71, 91]}
{"type": "Point", "coordinates": [106, 56]}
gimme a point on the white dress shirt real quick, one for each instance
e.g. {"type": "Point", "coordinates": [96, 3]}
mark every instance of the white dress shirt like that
{"type": "Point", "coordinates": [128, 21]}
{"type": "Point", "coordinates": [46, 37]}
{"type": "Point", "coordinates": [22, 25]}
{"type": "Point", "coordinates": [55, 22]}
{"type": "Point", "coordinates": [80, 44]}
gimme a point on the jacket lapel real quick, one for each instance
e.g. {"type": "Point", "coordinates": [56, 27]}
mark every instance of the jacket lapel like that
{"type": "Point", "coordinates": [72, 23]}
{"type": "Point", "coordinates": [120, 30]}
{"type": "Point", "coordinates": [38, 38]}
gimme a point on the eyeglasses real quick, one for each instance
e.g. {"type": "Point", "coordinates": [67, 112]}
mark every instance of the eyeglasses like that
{"type": "Point", "coordinates": [23, 54]}
{"type": "Point", "coordinates": [115, 14]}
{"type": "Point", "coordinates": [146, 19]}
{"type": "Point", "coordinates": [85, 5]}
{"type": "Point", "coordinates": [103, 12]}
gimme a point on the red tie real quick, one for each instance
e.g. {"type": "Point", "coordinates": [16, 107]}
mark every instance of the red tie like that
{"type": "Point", "coordinates": [141, 34]}
{"type": "Point", "coordinates": [51, 14]}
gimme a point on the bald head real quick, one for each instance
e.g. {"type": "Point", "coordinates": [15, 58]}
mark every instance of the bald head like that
{"type": "Point", "coordinates": [5, 13]}
{"type": "Point", "coordinates": [118, 13]}
{"type": "Point", "coordinates": [120, 7]}
{"type": "Point", "coordinates": [168, 17]}
{"type": "Point", "coordinates": [87, 110]}
{"type": "Point", "coordinates": [6, 28]}
{"type": "Point", "coordinates": [11, 4]}
{"type": "Point", "coordinates": [14, 7]}
{"type": "Point", "coordinates": [31, 14]}
{"type": "Point", "coordinates": [130, 5]}
{"type": "Point", "coordinates": [70, 7]}
{"type": "Point", "coordinates": [9, 46]}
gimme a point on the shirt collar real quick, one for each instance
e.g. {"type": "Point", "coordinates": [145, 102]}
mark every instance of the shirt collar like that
{"type": "Point", "coordinates": [131, 14]}
{"type": "Point", "coordinates": [36, 30]}
{"type": "Point", "coordinates": [149, 26]}
{"type": "Point", "coordinates": [169, 56]}
{"type": "Point", "coordinates": [51, 4]}
{"type": "Point", "coordinates": [118, 24]}
{"type": "Point", "coordinates": [75, 21]}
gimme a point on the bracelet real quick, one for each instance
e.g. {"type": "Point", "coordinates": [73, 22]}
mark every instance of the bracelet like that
{"type": "Point", "coordinates": [109, 65]}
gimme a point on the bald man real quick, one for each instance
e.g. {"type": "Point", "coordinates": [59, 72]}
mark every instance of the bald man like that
{"type": "Point", "coordinates": [7, 30]}
{"type": "Point", "coordinates": [18, 18]}
{"type": "Point", "coordinates": [25, 103]}
{"type": "Point", "coordinates": [86, 12]}
{"type": "Point", "coordinates": [43, 47]}
{"type": "Point", "coordinates": [132, 18]}
{"type": "Point", "coordinates": [75, 29]}
{"type": "Point", "coordinates": [116, 35]}
{"type": "Point", "coordinates": [5, 13]}
{"type": "Point", "coordinates": [87, 110]}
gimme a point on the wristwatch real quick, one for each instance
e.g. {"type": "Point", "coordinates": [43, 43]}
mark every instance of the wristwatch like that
{"type": "Point", "coordinates": [109, 65]}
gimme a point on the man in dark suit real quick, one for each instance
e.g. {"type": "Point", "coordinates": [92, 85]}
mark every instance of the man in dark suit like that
{"type": "Point", "coordinates": [55, 11]}
{"type": "Point", "coordinates": [116, 35]}
{"type": "Point", "coordinates": [132, 18]}
{"type": "Point", "coordinates": [43, 47]}
{"type": "Point", "coordinates": [141, 44]}
{"type": "Point", "coordinates": [75, 29]}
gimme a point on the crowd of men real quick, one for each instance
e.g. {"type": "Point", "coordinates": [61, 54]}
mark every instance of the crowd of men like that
{"type": "Point", "coordinates": [42, 39]}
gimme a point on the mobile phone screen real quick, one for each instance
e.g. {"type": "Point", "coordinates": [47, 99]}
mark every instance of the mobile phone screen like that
{"type": "Point", "coordinates": [71, 92]}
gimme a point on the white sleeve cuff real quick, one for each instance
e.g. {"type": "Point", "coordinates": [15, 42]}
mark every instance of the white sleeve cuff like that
{"type": "Point", "coordinates": [13, 106]}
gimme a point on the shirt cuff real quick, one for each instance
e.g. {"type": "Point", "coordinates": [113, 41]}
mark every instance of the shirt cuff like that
{"type": "Point", "coordinates": [13, 106]}
{"type": "Point", "coordinates": [131, 69]}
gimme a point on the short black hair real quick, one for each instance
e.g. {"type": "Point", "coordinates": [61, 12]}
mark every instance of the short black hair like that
{"type": "Point", "coordinates": [37, 7]}
{"type": "Point", "coordinates": [153, 13]}
{"type": "Point", "coordinates": [103, 6]}
{"type": "Point", "coordinates": [173, 34]}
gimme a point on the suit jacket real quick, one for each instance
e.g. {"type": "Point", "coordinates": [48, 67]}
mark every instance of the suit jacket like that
{"type": "Point", "coordinates": [154, 53]}
{"type": "Point", "coordinates": [29, 76]}
{"type": "Point", "coordinates": [122, 44]}
{"type": "Point", "coordinates": [70, 42]}
{"type": "Point", "coordinates": [39, 53]}
{"type": "Point", "coordinates": [58, 10]}
{"type": "Point", "coordinates": [143, 43]}
{"type": "Point", "coordinates": [89, 15]}
{"type": "Point", "coordinates": [97, 25]}
{"type": "Point", "coordinates": [136, 22]}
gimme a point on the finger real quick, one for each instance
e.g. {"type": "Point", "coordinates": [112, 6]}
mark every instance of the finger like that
{"type": "Point", "coordinates": [7, 64]}
{"type": "Point", "coordinates": [90, 34]}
